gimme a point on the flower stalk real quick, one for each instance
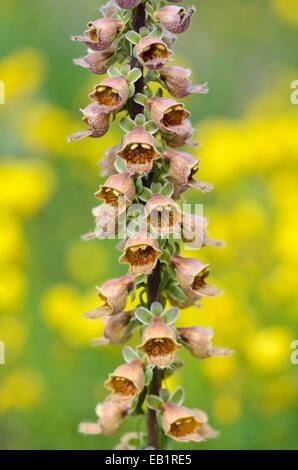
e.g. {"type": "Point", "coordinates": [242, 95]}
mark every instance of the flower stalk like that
{"type": "Point", "coordinates": [140, 204]}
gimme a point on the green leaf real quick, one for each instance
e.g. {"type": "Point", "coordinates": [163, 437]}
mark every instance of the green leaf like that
{"type": "Point", "coordinates": [125, 70]}
{"type": "Point", "coordinates": [148, 92]}
{"type": "Point", "coordinates": [154, 402]}
{"type": "Point", "coordinates": [143, 315]}
{"type": "Point", "coordinates": [119, 165]}
{"type": "Point", "coordinates": [164, 394]}
{"type": "Point", "coordinates": [139, 185]}
{"type": "Point", "coordinates": [146, 194]}
{"type": "Point", "coordinates": [131, 90]}
{"type": "Point", "coordinates": [167, 189]}
{"type": "Point", "coordinates": [159, 93]}
{"type": "Point", "coordinates": [177, 292]}
{"type": "Point", "coordinates": [134, 75]}
{"type": "Point", "coordinates": [140, 99]}
{"type": "Point", "coordinates": [151, 127]}
{"type": "Point", "coordinates": [140, 119]}
{"type": "Point", "coordinates": [156, 187]}
{"type": "Point", "coordinates": [148, 375]}
{"type": "Point", "coordinates": [132, 325]}
{"type": "Point", "coordinates": [156, 309]}
{"type": "Point", "coordinates": [129, 354]}
{"type": "Point", "coordinates": [157, 32]}
{"type": "Point", "coordinates": [133, 37]}
{"type": "Point", "coordinates": [127, 124]}
{"type": "Point", "coordinates": [170, 315]}
{"type": "Point", "coordinates": [159, 418]}
{"type": "Point", "coordinates": [114, 72]}
{"type": "Point", "coordinates": [144, 31]}
{"type": "Point", "coordinates": [178, 396]}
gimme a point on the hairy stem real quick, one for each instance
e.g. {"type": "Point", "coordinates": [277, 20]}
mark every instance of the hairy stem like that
{"type": "Point", "coordinates": [154, 278]}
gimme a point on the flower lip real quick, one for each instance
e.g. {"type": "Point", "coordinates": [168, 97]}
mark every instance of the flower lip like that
{"type": "Point", "coordinates": [152, 52]}
{"type": "Point", "coordinates": [181, 423]}
{"type": "Point", "coordinates": [118, 188]}
{"type": "Point", "coordinates": [100, 33]}
{"type": "Point", "coordinates": [169, 115]}
{"type": "Point", "coordinates": [162, 213]}
{"type": "Point", "coordinates": [111, 94]}
{"type": "Point", "coordinates": [141, 252]}
{"type": "Point", "coordinates": [138, 150]}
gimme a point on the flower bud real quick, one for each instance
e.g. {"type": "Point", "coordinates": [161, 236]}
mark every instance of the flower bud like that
{"type": "Point", "coordinates": [117, 189]}
{"type": "Point", "coordinates": [111, 94]}
{"type": "Point", "coordinates": [191, 275]}
{"type": "Point", "coordinates": [138, 150]}
{"type": "Point", "coordinates": [127, 381]}
{"type": "Point", "coordinates": [168, 115]}
{"type": "Point", "coordinates": [163, 214]}
{"type": "Point", "coordinates": [177, 82]}
{"type": "Point", "coordinates": [174, 19]}
{"type": "Point", "coordinates": [96, 62]}
{"type": "Point", "coordinates": [114, 294]}
{"type": "Point", "coordinates": [159, 343]}
{"type": "Point", "coordinates": [152, 52]}
{"type": "Point", "coordinates": [183, 424]}
{"type": "Point", "coordinates": [100, 33]}
{"type": "Point", "coordinates": [199, 342]}
{"type": "Point", "coordinates": [97, 121]}
{"type": "Point", "coordinates": [141, 252]}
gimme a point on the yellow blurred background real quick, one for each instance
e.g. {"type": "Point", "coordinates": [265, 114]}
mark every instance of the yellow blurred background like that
{"type": "Point", "coordinates": [247, 128]}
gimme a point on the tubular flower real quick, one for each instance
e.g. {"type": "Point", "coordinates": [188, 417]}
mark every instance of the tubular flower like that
{"type": "Point", "coordinates": [183, 167]}
{"type": "Point", "coordinates": [111, 415]}
{"type": "Point", "coordinates": [141, 252]}
{"type": "Point", "coordinates": [168, 115]}
{"type": "Point", "coordinates": [97, 121]}
{"type": "Point", "coordinates": [108, 221]}
{"type": "Point", "coordinates": [163, 214]}
{"type": "Point", "coordinates": [108, 162]}
{"type": "Point", "coordinates": [118, 189]}
{"type": "Point", "coordinates": [174, 19]}
{"type": "Point", "coordinates": [199, 342]}
{"type": "Point", "coordinates": [194, 232]}
{"type": "Point", "coordinates": [100, 33]}
{"type": "Point", "coordinates": [182, 136]}
{"type": "Point", "coordinates": [127, 4]}
{"type": "Point", "coordinates": [111, 94]}
{"type": "Point", "coordinates": [96, 62]}
{"type": "Point", "coordinates": [191, 275]}
{"type": "Point", "coordinates": [114, 294]}
{"type": "Point", "coordinates": [152, 52]}
{"type": "Point", "coordinates": [138, 150]}
{"type": "Point", "coordinates": [185, 425]}
{"type": "Point", "coordinates": [177, 82]}
{"type": "Point", "coordinates": [127, 381]}
{"type": "Point", "coordinates": [159, 343]}
{"type": "Point", "coordinates": [115, 331]}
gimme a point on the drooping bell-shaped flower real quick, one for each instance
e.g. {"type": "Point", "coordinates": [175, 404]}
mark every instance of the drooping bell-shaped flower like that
{"type": "Point", "coordinates": [194, 232]}
{"type": "Point", "coordinates": [141, 252]}
{"type": "Point", "coordinates": [127, 381]}
{"type": "Point", "coordinates": [108, 162]}
{"type": "Point", "coordinates": [168, 115]}
{"type": "Point", "coordinates": [152, 52]}
{"type": "Point", "coordinates": [113, 293]}
{"type": "Point", "coordinates": [96, 61]}
{"type": "Point", "coordinates": [174, 19]}
{"type": "Point", "coordinates": [163, 214]}
{"type": "Point", "coordinates": [199, 341]}
{"type": "Point", "coordinates": [184, 425]}
{"type": "Point", "coordinates": [138, 150]}
{"type": "Point", "coordinates": [115, 329]}
{"type": "Point", "coordinates": [97, 121]}
{"type": "Point", "coordinates": [118, 190]}
{"type": "Point", "coordinates": [191, 275]}
{"type": "Point", "coordinates": [110, 417]}
{"type": "Point", "coordinates": [159, 343]}
{"type": "Point", "coordinates": [100, 33]}
{"type": "Point", "coordinates": [111, 94]}
{"type": "Point", "coordinates": [177, 82]}
{"type": "Point", "coordinates": [183, 167]}
{"type": "Point", "coordinates": [181, 136]}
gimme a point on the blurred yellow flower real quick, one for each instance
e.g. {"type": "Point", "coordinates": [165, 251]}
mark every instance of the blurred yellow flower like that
{"type": "Point", "coordinates": [287, 9]}
{"type": "Point", "coordinates": [13, 285]}
{"type": "Point", "coordinates": [25, 186]}
{"type": "Point", "coordinates": [20, 390]}
{"type": "Point", "coordinates": [63, 309]}
{"type": "Point", "coordinates": [12, 243]}
{"type": "Point", "coordinates": [227, 409]}
{"type": "Point", "coordinates": [86, 262]}
{"type": "Point", "coordinates": [276, 395]}
{"type": "Point", "coordinates": [219, 370]}
{"type": "Point", "coordinates": [13, 333]}
{"type": "Point", "coordinates": [22, 73]}
{"type": "Point", "coordinates": [269, 349]}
